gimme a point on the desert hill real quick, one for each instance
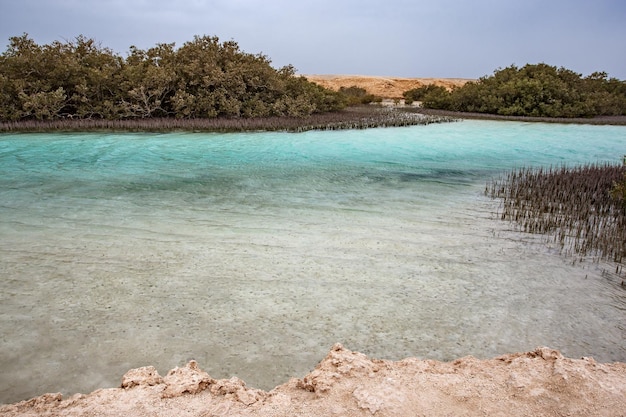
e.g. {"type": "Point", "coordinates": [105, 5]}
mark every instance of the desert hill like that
{"type": "Point", "coordinates": [385, 87]}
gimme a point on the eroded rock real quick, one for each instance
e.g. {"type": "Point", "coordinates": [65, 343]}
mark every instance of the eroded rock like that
{"type": "Point", "coordinates": [189, 379]}
{"type": "Point", "coordinates": [236, 389]}
{"type": "Point", "coordinates": [146, 376]}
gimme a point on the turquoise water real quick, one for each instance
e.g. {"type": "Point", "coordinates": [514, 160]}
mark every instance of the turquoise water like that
{"type": "Point", "coordinates": [254, 253]}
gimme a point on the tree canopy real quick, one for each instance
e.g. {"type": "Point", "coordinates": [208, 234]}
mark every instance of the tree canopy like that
{"type": "Point", "coordinates": [538, 90]}
{"type": "Point", "coordinates": [204, 78]}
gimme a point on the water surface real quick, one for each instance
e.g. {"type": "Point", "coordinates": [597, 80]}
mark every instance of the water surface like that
{"type": "Point", "coordinates": [254, 253]}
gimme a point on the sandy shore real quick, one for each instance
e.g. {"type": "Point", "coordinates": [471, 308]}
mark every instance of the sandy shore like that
{"type": "Point", "coordinates": [385, 87]}
{"type": "Point", "coordinates": [347, 383]}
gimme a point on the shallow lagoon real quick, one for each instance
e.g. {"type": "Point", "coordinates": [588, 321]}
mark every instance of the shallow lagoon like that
{"type": "Point", "coordinates": [254, 253]}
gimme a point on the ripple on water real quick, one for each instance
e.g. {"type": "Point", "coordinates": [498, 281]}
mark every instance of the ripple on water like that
{"type": "Point", "coordinates": [254, 253]}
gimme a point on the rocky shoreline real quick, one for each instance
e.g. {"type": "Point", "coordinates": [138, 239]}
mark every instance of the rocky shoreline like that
{"type": "Point", "coordinates": [347, 383]}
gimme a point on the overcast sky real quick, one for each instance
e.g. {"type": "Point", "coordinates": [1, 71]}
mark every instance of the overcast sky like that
{"type": "Point", "coordinates": [405, 38]}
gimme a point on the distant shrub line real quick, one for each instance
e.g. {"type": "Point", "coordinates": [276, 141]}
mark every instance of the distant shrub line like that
{"type": "Point", "coordinates": [534, 90]}
{"type": "Point", "coordinates": [80, 83]}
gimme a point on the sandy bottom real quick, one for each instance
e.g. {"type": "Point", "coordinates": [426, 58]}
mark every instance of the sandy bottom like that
{"type": "Point", "coordinates": [347, 383]}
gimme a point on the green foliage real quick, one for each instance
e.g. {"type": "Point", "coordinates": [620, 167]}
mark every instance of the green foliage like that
{"type": "Point", "coordinates": [424, 93]}
{"type": "Point", "coordinates": [431, 96]}
{"type": "Point", "coordinates": [76, 78]}
{"type": "Point", "coordinates": [533, 90]}
{"type": "Point", "coordinates": [354, 96]}
{"type": "Point", "coordinates": [204, 78]}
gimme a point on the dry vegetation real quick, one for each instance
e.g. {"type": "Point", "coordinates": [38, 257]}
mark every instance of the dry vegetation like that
{"type": "Point", "coordinates": [357, 117]}
{"type": "Point", "coordinates": [581, 210]}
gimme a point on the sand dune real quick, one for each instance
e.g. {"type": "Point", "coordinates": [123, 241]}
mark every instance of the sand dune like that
{"type": "Point", "coordinates": [385, 87]}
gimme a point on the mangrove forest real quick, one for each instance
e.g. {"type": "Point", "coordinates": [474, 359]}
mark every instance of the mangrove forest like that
{"type": "Point", "coordinates": [204, 78]}
{"type": "Point", "coordinates": [534, 90]}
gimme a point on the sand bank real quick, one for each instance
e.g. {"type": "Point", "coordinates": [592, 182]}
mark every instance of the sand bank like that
{"type": "Point", "coordinates": [346, 383]}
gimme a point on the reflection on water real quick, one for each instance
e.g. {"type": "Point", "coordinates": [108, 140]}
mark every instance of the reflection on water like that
{"type": "Point", "coordinates": [254, 253]}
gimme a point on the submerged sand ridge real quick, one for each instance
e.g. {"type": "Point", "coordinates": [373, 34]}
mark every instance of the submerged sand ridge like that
{"type": "Point", "coordinates": [347, 383]}
{"type": "Point", "coordinates": [385, 87]}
